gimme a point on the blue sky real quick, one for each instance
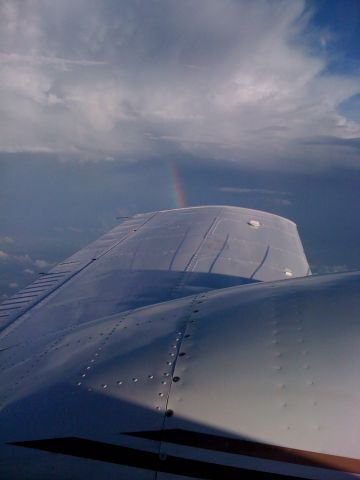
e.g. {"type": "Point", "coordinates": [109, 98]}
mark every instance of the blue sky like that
{"type": "Point", "coordinates": [340, 22]}
{"type": "Point", "coordinates": [251, 103]}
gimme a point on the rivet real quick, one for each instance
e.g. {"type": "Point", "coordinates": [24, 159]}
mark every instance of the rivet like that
{"type": "Point", "coordinates": [166, 374]}
{"type": "Point", "coordinates": [119, 382]}
{"type": "Point", "coordinates": [164, 382]}
{"type": "Point", "coordinates": [135, 379]}
{"type": "Point", "coordinates": [78, 383]}
{"type": "Point", "coordinates": [104, 385]}
{"type": "Point", "coordinates": [176, 379]}
{"type": "Point", "coordinates": [172, 354]}
{"type": "Point", "coordinates": [151, 377]}
{"type": "Point", "coordinates": [169, 413]}
{"type": "Point", "coordinates": [169, 363]}
{"type": "Point", "coordinates": [161, 394]}
{"type": "Point", "coordinates": [174, 346]}
{"type": "Point", "coordinates": [158, 408]}
{"type": "Point", "coordinates": [88, 368]}
{"type": "Point", "coordinates": [83, 375]}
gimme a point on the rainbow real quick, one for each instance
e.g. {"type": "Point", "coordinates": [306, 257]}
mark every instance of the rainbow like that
{"type": "Point", "coordinates": [177, 190]}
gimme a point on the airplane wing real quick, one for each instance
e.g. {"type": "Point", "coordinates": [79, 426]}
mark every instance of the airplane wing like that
{"type": "Point", "coordinates": [181, 345]}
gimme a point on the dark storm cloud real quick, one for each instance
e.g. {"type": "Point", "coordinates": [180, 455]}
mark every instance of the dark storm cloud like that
{"type": "Point", "coordinates": [132, 79]}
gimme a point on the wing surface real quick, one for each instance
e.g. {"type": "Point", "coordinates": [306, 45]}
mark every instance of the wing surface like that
{"type": "Point", "coordinates": [255, 380]}
{"type": "Point", "coordinates": [161, 256]}
{"type": "Point", "coordinates": [128, 341]}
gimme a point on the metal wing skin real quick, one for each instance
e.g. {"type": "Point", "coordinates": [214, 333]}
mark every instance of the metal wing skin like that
{"type": "Point", "coordinates": [161, 256]}
{"type": "Point", "coordinates": [179, 346]}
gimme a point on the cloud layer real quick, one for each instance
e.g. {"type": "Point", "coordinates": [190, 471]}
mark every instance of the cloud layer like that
{"type": "Point", "coordinates": [235, 80]}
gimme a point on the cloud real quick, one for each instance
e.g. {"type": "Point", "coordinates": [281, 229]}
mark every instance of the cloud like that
{"type": "Point", "coordinates": [242, 190]}
{"type": "Point", "coordinates": [3, 255]}
{"type": "Point", "coordinates": [29, 271]}
{"type": "Point", "coordinates": [6, 240]}
{"type": "Point", "coordinates": [74, 229]}
{"type": "Point", "coordinates": [282, 201]}
{"type": "Point", "coordinates": [322, 269]}
{"type": "Point", "coordinates": [229, 80]}
{"type": "Point", "coordinates": [41, 263]}
{"type": "Point", "coordinates": [335, 141]}
{"type": "Point", "coordinates": [24, 259]}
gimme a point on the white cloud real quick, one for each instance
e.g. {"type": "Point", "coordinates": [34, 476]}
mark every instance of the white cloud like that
{"type": "Point", "coordinates": [322, 269]}
{"type": "Point", "coordinates": [3, 255]}
{"type": "Point", "coordinates": [74, 229]}
{"type": "Point", "coordinates": [230, 79]}
{"type": "Point", "coordinates": [282, 201]}
{"type": "Point", "coordinates": [242, 190]}
{"type": "Point", "coordinates": [29, 271]}
{"type": "Point", "coordinates": [6, 240]}
{"type": "Point", "coordinates": [41, 264]}
{"type": "Point", "coordinates": [22, 258]}
{"type": "Point", "coordinates": [26, 260]}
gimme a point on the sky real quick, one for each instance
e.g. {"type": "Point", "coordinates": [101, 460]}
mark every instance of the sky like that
{"type": "Point", "coordinates": [118, 107]}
